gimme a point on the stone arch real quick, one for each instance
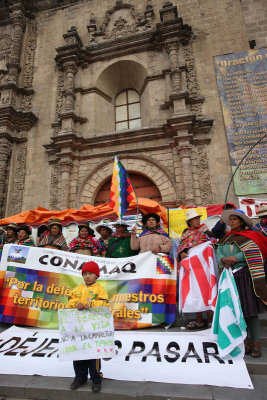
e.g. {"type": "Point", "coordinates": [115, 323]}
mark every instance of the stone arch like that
{"type": "Point", "coordinates": [143, 187]}
{"type": "Point", "coordinates": [121, 75]}
{"type": "Point", "coordinates": [142, 165]}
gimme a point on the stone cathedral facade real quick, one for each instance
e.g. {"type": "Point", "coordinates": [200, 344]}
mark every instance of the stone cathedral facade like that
{"type": "Point", "coordinates": [82, 80]}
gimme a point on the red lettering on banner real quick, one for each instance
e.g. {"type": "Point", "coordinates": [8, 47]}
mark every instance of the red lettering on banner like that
{"type": "Point", "coordinates": [186, 282]}
{"type": "Point", "coordinates": [201, 277]}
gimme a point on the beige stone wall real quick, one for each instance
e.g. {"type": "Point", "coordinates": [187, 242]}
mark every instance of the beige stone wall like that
{"type": "Point", "coordinates": [255, 16]}
{"type": "Point", "coordinates": [218, 28]}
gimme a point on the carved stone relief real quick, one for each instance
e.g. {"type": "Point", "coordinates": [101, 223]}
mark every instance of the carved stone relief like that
{"type": "Point", "coordinates": [5, 150]}
{"type": "Point", "coordinates": [27, 75]}
{"type": "Point", "coordinates": [196, 109]}
{"type": "Point", "coordinates": [5, 45]}
{"type": "Point", "coordinates": [121, 20]}
{"type": "Point", "coordinates": [54, 184]}
{"type": "Point", "coordinates": [16, 196]}
{"type": "Point", "coordinates": [191, 76]}
{"type": "Point", "coordinates": [60, 94]}
{"type": "Point", "coordinates": [204, 174]}
{"type": "Point", "coordinates": [121, 28]}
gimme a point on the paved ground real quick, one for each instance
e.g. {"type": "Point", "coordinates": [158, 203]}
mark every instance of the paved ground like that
{"type": "Point", "coordinates": [48, 388]}
{"type": "Point", "coordinates": [36, 387]}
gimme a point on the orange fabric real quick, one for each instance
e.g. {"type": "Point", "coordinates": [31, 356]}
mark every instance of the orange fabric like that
{"type": "Point", "coordinates": [41, 215]}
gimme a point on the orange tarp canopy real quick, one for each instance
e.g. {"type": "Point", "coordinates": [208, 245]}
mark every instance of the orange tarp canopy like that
{"type": "Point", "coordinates": [41, 215]}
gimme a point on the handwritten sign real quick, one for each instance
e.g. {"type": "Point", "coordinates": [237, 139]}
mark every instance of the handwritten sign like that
{"type": "Point", "coordinates": [86, 334]}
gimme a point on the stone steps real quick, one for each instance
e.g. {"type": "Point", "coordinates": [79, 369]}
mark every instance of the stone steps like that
{"type": "Point", "coordinates": [50, 388]}
{"type": "Point", "coordinates": [47, 388]}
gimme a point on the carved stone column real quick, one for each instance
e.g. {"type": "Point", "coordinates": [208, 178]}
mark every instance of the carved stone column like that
{"type": "Point", "coordinates": [70, 69]}
{"type": "Point", "coordinates": [172, 47]}
{"type": "Point", "coordinates": [65, 170]}
{"type": "Point", "coordinates": [5, 150]}
{"type": "Point", "coordinates": [185, 150]}
{"type": "Point", "coordinates": [177, 96]}
{"type": "Point", "coordinates": [18, 20]}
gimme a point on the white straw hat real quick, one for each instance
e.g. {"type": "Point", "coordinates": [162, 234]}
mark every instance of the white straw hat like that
{"type": "Point", "coordinates": [192, 213]}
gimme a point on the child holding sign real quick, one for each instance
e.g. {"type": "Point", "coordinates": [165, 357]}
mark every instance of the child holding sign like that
{"type": "Point", "coordinates": [88, 294]}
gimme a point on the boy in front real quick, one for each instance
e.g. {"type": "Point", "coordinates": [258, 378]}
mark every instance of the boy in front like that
{"type": "Point", "coordinates": [88, 294]}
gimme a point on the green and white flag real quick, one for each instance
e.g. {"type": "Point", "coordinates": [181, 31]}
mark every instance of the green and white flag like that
{"type": "Point", "coordinates": [229, 326]}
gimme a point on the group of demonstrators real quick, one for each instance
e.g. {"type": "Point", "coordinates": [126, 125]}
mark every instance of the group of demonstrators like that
{"type": "Point", "coordinates": [238, 246]}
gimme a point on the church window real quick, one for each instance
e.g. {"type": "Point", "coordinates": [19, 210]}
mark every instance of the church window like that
{"type": "Point", "coordinates": [127, 110]}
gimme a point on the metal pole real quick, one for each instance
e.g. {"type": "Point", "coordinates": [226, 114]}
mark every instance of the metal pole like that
{"type": "Point", "coordinates": [249, 150]}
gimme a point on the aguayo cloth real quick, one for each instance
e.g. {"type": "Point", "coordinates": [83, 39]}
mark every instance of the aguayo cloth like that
{"type": "Point", "coordinates": [228, 326]}
{"type": "Point", "coordinates": [198, 280]}
{"type": "Point", "coordinates": [36, 283]}
{"type": "Point", "coordinates": [254, 247]}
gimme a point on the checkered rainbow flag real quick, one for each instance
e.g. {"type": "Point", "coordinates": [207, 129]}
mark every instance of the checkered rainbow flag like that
{"type": "Point", "coordinates": [121, 191]}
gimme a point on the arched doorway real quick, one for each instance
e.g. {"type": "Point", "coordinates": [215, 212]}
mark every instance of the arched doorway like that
{"type": "Point", "coordinates": [144, 187]}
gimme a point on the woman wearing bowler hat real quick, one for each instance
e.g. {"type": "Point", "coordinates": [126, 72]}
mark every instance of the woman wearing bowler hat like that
{"type": "Point", "coordinates": [153, 238]}
{"type": "Point", "coordinates": [24, 238]}
{"type": "Point", "coordinates": [85, 242]}
{"type": "Point", "coordinates": [53, 237]}
{"type": "Point", "coordinates": [105, 233]}
{"type": "Point", "coordinates": [244, 251]}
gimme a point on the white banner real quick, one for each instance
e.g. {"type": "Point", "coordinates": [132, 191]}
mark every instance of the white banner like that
{"type": "Point", "coordinates": [198, 280]}
{"type": "Point", "coordinates": [52, 260]}
{"type": "Point", "coordinates": [38, 281]}
{"type": "Point", "coordinates": [86, 334]}
{"type": "Point", "coordinates": [141, 356]}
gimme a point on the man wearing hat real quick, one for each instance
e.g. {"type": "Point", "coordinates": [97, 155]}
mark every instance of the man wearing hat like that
{"type": "Point", "coordinates": [119, 244]}
{"type": "Point", "coordinates": [153, 238]}
{"type": "Point", "coordinates": [262, 214]}
{"type": "Point", "coordinates": [219, 229]}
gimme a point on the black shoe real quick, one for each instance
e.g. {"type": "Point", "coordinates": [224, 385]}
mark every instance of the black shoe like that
{"type": "Point", "coordinates": [75, 385]}
{"type": "Point", "coordinates": [96, 387]}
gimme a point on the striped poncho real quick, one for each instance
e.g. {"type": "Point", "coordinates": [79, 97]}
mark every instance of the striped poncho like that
{"type": "Point", "coordinates": [56, 241]}
{"type": "Point", "coordinates": [25, 242]}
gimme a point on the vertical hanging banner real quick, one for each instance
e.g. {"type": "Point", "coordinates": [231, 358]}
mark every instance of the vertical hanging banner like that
{"type": "Point", "coordinates": [36, 283]}
{"type": "Point", "coordinates": [242, 83]}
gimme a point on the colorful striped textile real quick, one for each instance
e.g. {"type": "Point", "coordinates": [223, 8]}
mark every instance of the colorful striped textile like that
{"type": "Point", "coordinates": [254, 259]}
{"type": "Point", "coordinates": [255, 263]}
{"type": "Point", "coordinates": [121, 191]}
